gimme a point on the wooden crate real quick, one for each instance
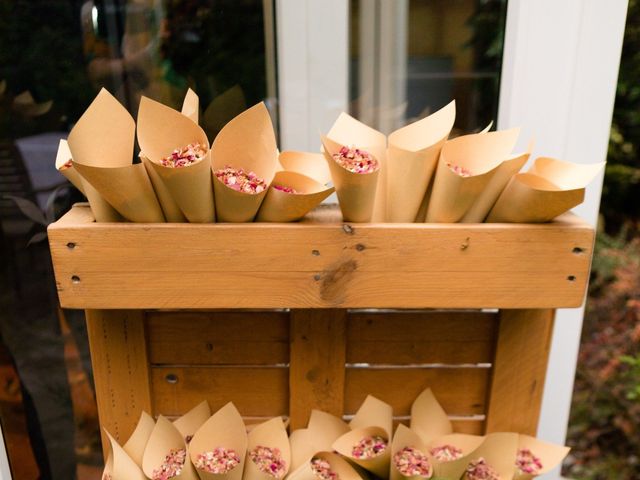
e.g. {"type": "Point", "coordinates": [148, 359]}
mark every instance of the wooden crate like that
{"type": "Point", "coordinates": [282, 318]}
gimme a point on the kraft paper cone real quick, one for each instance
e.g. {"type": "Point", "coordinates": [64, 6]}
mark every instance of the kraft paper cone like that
{"type": "Point", "coordinates": [412, 157]}
{"type": "Point", "coordinates": [138, 440]}
{"type": "Point", "coordinates": [428, 418]}
{"type": "Point", "coordinates": [481, 153]}
{"type": "Point", "coordinates": [499, 451]}
{"type": "Point", "coordinates": [279, 206]}
{"type": "Point", "coordinates": [160, 131]}
{"type": "Point", "coordinates": [191, 106]}
{"type": "Point", "coordinates": [378, 465]}
{"type": "Point", "coordinates": [566, 175]}
{"type": "Point", "coordinates": [405, 437]}
{"type": "Point", "coordinates": [373, 413]}
{"type": "Point", "coordinates": [270, 434]}
{"type": "Point", "coordinates": [454, 469]}
{"type": "Point", "coordinates": [356, 191]}
{"type": "Point", "coordinates": [247, 142]}
{"type": "Point", "coordinates": [549, 454]}
{"type": "Point", "coordinates": [338, 464]}
{"type": "Point", "coordinates": [102, 211]}
{"type": "Point", "coordinates": [302, 447]}
{"type": "Point", "coordinates": [170, 208]}
{"type": "Point", "coordinates": [347, 131]}
{"type": "Point", "coordinates": [224, 429]}
{"type": "Point", "coordinates": [63, 157]}
{"type": "Point", "coordinates": [164, 438]}
{"type": "Point", "coordinates": [119, 466]}
{"type": "Point", "coordinates": [326, 429]}
{"type": "Point", "coordinates": [189, 423]}
{"type": "Point", "coordinates": [102, 145]}
{"type": "Point", "coordinates": [310, 164]}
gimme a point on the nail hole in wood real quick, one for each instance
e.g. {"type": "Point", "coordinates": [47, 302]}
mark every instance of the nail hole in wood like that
{"type": "Point", "coordinates": [348, 229]}
{"type": "Point", "coordinates": [71, 245]}
{"type": "Point", "coordinates": [75, 279]}
{"type": "Point", "coordinates": [316, 277]}
{"type": "Point", "coordinates": [571, 278]}
{"type": "Point", "coordinates": [577, 250]}
{"type": "Point", "coordinates": [209, 347]}
{"type": "Point", "coordinates": [315, 253]}
{"type": "Point", "coordinates": [171, 378]}
{"type": "Point", "coordinates": [360, 247]}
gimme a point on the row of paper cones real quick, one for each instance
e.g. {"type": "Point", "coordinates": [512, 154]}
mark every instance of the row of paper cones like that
{"type": "Point", "coordinates": [414, 181]}
{"type": "Point", "coordinates": [326, 437]}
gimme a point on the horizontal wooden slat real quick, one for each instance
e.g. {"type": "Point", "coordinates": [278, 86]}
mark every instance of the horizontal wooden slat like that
{"type": "Point", "coordinates": [255, 391]}
{"type": "Point", "coordinates": [421, 337]}
{"type": "Point", "coordinates": [316, 265]}
{"type": "Point", "coordinates": [460, 391]}
{"type": "Point", "coordinates": [222, 338]}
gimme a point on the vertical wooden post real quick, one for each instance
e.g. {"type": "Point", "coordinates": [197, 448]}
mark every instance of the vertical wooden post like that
{"type": "Point", "coordinates": [317, 362]}
{"type": "Point", "coordinates": [120, 369]}
{"type": "Point", "coordinates": [519, 369]}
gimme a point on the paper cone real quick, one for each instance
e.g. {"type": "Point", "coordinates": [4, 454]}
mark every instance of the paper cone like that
{"type": "Point", "coordinates": [499, 451]}
{"type": "Point", "coordinates": [428, 418]}
{"type": "Point", "coordinates": [138, 440]}
{"type": "Point", "coordinates": [270, 434]}
{"type": "Point", "coordinates": [160, 131]}
{"type": "Point", "coordinates": [170, 208]}
{"type": "Point", "coordinates": [310, 164]}
{"type": "Point", "coordinates": [189, 423]}
{"type": "Point", "coordinates": [487, 128]}
{"type": "Point", "coordinates": [378, 465]}
{"type": "Point", "coordinates": [302, 447]}
{"type": "Point", "coordinates": [102, 211]}
{"type": "Point", "coordinates": [373, 413]}
{"type": "Point", "coordinates": [412, 156]}
{"type": "Point", "coordinates": [164, 438]}
{"type": "Point", "coordinates": [338, 464]}
{"type": "Point", "coordinates": [566, 175]}
{"type": "Point", "coordinates": [405, 437]}
{"type": "Point", "coordinates": [102, 145]}
{"type": "Point", "coordinates": [348, 131]}
{"type": "Point", "coordinates": [326, 429]}
{"type": "Point", "coordinates": [454, 469]}
{"type": "Point", "coordinates": [247, 142]}
{"type": "Point", "coordinates": [550, 454]}
{"type": "Point", "coordinates": [191, 106]}
{"type": "Point", "coordinates": [279, 206]}
{"type": "Point", "coordinates": [119, 466]}
{"type": "Point", "coordinates": [63, 157]}
{"type": "Point", "coordinates": [453, 195]}
{"type": "Point", "coordinates": [224, 429]}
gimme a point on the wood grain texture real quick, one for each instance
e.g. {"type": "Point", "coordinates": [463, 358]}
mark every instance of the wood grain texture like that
{"type": "Point", "coordinates": [320, 265]}
{"type": "Point", "coordinates": [317, 365]}
{"type": "Point", "coordinates": [520, 366]}
{"type": "Point", "coordinates": [120, 370]}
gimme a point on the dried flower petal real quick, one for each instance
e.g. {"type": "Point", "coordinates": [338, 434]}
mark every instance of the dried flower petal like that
{"type": "Point", "coordinates": [67, 164]}
{"type": "Point", "coordinates": [219, 460]}
{"type": "Point", "coordinates": [240, 181]}
{"type": "Point", "coordinates": [446, 453]}
{"type": "Point", "coordinates": [480, 470]}
{"type": "Point", "coordinates": [356, 160]}
{"type": "Point", "coordinates": [369, 447]}
{"type": "Point", "coordinates": [527, 462]}
{"type": "Point", "coordinates": [323, 470]}
{"type": "Point", "coordinates": [457, 169]}
{"type": "Point", "coordinates": [285, 189]}
{"type": "Point", "coordinates": [171, 466]}
{"type": "Point", "coordinates": [269, 461]}
{"type": "Point", "coordinates": [181, 157]}
{"type": "Point", "coordinates": [411, 462]}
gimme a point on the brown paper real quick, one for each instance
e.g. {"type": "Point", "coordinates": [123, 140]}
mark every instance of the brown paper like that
{"type": "Point", "coordinates": [170, 208]}
{"type": "Point", "coordinates": [138, 440]}
{"type": "Point", "coordinates": [119, 465]}
{"type": "Point", "coordinates": [102, 211]}
{"type": "Point", "coordinates": [481, 153]}
{"type": "Point", "coordinates": [499, 451]}
{"type": "Point", "coordinates": [279, 206]}
{"type": "Point", "coordinates": [247, 142]}
{"type": "Point", "coordinates": [338, 464]}
{"type": "Point", "coordinates": [161, 130]}
{"type": "Point", "coordinates": [224, 429]}
{"type": "Point", "coordinates": [412, 156]}
{"type": "Point", "coordinates": [310, 164]}
{"type": "Point", "coordinates": [326, 429]}
{"type": "Point", "coordinates": [454, 469]}
{"type": "Point", "coordinates": [189, 423]}
{"type": "Point", "coordinates": [550, 455]}
{"type": "Point", "coordinates": [405, 437]}
{"type": "Point", "coordinates": [191, 106]}
{"type": "Point", "coordinates": [378, 465]}
{"type": "Point", "coordinates": [373, 413]}
{"type": "Point", "coordinates": [270, 434]}
{"type": "Point", "coordinates": [301, 442]}
{"type": "Point", "coordinates": [566, 175]}
{"type": "Point", "coordinates": [428, 418]}
{"type": "Point", "coordinates": [70, 173]}
{"type": "Point", "coordinates": [164, 438]}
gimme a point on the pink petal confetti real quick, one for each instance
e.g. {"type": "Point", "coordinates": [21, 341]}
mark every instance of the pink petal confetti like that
{"type": "Point", "coordinates": [457, 169]}
{"type": "Point", "coordinates": [269, 461]}
{"type": "Point", "coordinates": [67, 164]}
{"type": "Point", "coordinates": [219, 460]}
{"type": "Point", "coordinates": [171, 466]}
{"type": "Point", "coordinates": [241, 181]}
{"type": "Point", "coordinates": [527, 462]}
{"type": "Point", "coordinates": [181, 157]}
{"type": "Point", "coordinates": [369, 447]}
{"type": "Point", "coordinates": [356, 160]}
{"type": "Point", "coordinates": [446, 453]}
{"type": "Point", "coordinates": [323, 470]}
{"type": "Point", "coordinates": [480, 470]}
{"type": "Point", "coordinates": [411, 462]}
{"type": "Point", "coordinates": [285, 189]}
